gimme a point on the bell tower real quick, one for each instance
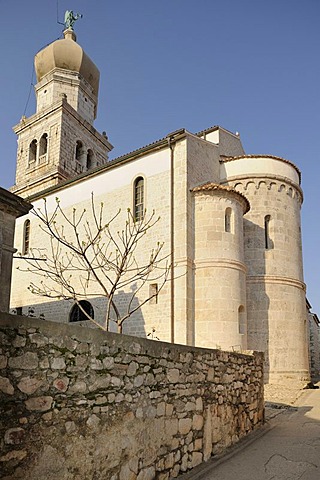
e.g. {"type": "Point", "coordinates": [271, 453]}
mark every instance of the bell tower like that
{"type": "Point", "coordinates": [59, 141]}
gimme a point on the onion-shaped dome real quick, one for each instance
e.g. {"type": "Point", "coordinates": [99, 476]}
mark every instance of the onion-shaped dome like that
{"type": "Point", "coordinates": [68, 55]}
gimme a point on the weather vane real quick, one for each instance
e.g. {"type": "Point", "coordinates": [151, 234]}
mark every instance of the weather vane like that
{"type": "Point", "coordinates": [70, 18]}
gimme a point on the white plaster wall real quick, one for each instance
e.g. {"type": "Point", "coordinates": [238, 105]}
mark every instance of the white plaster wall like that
{"type": "Point", "coordinates": [114, 189]}
{"type": "Point", "coordinates": [112, 179]}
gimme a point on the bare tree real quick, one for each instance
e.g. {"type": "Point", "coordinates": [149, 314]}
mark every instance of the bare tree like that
{"type": "Point", "coordinates": [89, 258]}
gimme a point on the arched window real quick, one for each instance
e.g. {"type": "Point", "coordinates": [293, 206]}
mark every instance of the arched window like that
{"type": "Point", "coordinates": [242, 320]}
{"type": "Point", "coordinates": [26, 238]}
{"type": "Point", "coordinates": [138, 199]}
{"type": "Point", "coordinates": [43, 148]}
{"type": "Point", "coordinates": [227, 220]}
{"type": "Point", "coordinates": [77, 315]}
{"type": "Point", "coordinates": [268, 244]}
{"type": "Point", "coordinates": [89, 159]}
{"type": "Point", "coordinates": [79, 147]}
{"type": "Point", "coordinates": [79, 157]}
{"type": "Point", "coordinates": [33, 152]}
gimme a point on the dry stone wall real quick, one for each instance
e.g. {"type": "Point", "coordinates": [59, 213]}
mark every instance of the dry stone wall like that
{"type": "Point", "coordinates": [314, 346]}
{"type": "Point", "coordinates": [79, 403]}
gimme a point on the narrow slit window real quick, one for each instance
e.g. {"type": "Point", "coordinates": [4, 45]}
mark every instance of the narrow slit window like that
{"type": "Point", "coordinates": [267, 239]}
{"type": "Point", "coordinates": [227, 220]}
{"type": "Point", "coordinates": [153, 293]}
{"type": "Point", "coordinates": [26, 238]}
{"type": "Point", "coordinates": [138, 199]}
{"type": "Point", "coordinates": [242, 320]}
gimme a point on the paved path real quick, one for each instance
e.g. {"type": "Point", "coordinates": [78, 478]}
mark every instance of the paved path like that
{"type": "Point", "coordinates": [289, 450]}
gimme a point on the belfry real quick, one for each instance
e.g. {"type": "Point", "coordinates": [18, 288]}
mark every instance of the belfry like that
{"type": "Point", "coordinates": [59, 140]}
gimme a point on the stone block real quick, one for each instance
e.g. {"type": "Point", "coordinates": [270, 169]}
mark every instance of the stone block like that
{"type": "Point", "coordinates": [199, 404]}
{"type": "Point", "coordinates": [147, 474]}
{"type": "Point", "coordinates": [38, 339]}
{"type": "Point", "coordinates": [93, 421]}
{"type": "Point", "coordinates": [27, 361]}
{"type": "Point", "coordinates": [14, 436]}
{"type": "Point", "coordinates": [173, 375]}
{"type": "Point", "coordinates": [196, 459]}
{"type": "Point", "coordinates": [19, 341]}
{"type": "Point", "coordinates": [70, 427]}
{"type": "Point", "coordinates": [169, 409]}
{"type": "Point", "coordinates": [138, 381]}
{"type": "Point", "coordinates": [171, 427]}
{"type": "Point", "coordinates": [78, 387]}
{"type": "Point", "coordinates": [61, 384]}
{"type": "Point", "coordinates": [197, 422]}
{"type": "Point", "coordinates": [39, 404]}
{"type": "Point", "coordinates": [29, 385]}
{"type": "Point", "coordinates": [6, 386]}
{"type": "Point", "coordinates": [108, 362]}
{"type": "Point", "coordinates": [58, 363]}
{"type": "Point", "coordinates": [126, 473]}
{"type": "Point", "coordinates": [161, 409]}
{"type": "Point", "coordinates": [3, 361]}
{"type": "Point", "coordinates": [185, 425]}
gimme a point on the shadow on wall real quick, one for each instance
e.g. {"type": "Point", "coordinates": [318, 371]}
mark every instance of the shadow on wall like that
{"type": "Point", "coordinates": [257, 242]}
{"type": "Point", "coordinates": [65, 311]}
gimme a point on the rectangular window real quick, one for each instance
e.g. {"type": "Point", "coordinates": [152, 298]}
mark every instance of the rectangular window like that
{"type": "Point", "coordinates": [268, 244]}
{"type": "Point", "coordinates": [26, 238]}
{"type": "Point", "coordinates": [228, 220]}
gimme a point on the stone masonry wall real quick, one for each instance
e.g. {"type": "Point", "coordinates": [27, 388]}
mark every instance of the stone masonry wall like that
{"type": "Point", "coordinates": [314, 347]}
{"type": "Point", "coordinates": [79, 403]}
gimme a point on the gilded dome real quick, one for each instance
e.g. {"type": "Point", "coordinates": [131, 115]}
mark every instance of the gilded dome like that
{"type": "Point", "coordinates": [67, 54]}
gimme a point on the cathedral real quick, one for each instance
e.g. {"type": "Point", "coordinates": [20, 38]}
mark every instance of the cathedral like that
{"type": "Point", "coordinates": [229, 221]}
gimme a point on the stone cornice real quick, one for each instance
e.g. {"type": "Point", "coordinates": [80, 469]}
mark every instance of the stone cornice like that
{"type": "Point", "coordinates": [215, 187]}
{"type": "Point", "coordinates": [255, 176]}
{"type": "Point", "coordinates": [277, 280]}
{"type": "Point", "coordinates": [13, 204]}
{"type": "Point", "coordinates": [220, 262]}
{"type": "Point", "coordinates": [61, 106]}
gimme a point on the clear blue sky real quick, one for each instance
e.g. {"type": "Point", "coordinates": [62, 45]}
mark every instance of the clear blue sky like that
{"type": "Point", "coordinates": [248, 65]}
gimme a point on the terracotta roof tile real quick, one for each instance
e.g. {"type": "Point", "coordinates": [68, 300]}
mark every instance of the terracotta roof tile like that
{"type": "Point", "coordinates": [215, 186]}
